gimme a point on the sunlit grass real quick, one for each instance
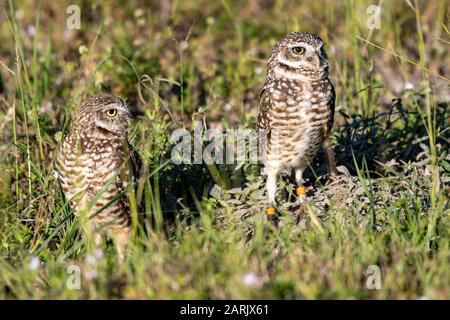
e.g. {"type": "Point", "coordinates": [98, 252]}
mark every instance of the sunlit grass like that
{"type": "Point", "coordinates": [204, 62]}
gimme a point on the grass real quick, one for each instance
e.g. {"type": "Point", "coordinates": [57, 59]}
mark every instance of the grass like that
{"type": "Point", "coordinates": [206, 233]}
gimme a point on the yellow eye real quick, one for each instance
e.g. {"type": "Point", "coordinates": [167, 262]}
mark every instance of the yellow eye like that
{"type": "Point", "coordinates": [298, 50]}
{"type": "Point", "coordinates": [111, 113]}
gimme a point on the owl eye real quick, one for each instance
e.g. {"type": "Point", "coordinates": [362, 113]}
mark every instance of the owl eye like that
{"type": "Point", "coordinates": [298, 50]}
{"type": "Point", "coordinates": [111, 113]}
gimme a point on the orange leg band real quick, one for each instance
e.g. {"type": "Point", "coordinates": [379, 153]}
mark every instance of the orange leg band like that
{"type": "Point", "coordinates": [300, 191]}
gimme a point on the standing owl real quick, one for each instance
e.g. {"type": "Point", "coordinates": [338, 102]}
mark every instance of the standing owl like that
{"type": "Point", "coordinates": [96, 164]}
{"type": "Point", "coordinates": [296, 110]}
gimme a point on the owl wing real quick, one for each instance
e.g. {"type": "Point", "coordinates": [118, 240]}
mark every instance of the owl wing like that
{"type": "Point", "coordinates": [74, 171]}
{"type": "Point", "coordinates": [263, 124]}
{"type": "Point", "coordinates": [114, 195]}
{"type": "Point", "coordinates": [136, 163]}
{"type": "Point", "coordinates": [263, 120]}
{"type": "Point", "coordinates": [130, 175]}
{"type": "Point", "coordinates": [331, 105]}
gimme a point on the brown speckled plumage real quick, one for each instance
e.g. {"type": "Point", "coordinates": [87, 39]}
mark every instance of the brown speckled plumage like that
{"type": "Point", "coordinates": [95, 164]}
{"type": "Point", "coordinates": [296, 106]}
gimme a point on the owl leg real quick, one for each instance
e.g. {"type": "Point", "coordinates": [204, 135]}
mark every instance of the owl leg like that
{"type": "Point", "coordinates": [271, 185]}
{"type": "Point", "coordinates": [97, 240]}
{"type": "Point", "coordinates": [330, 157]}
{"type": "Point", "coordinates": [91, 234]}
{"type": "Point", "coordinates": [121, 240]}
{"type": "Point", "coordinates": [300, 190]}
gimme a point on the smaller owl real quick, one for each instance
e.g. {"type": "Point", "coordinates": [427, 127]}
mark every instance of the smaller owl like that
{"type": "Point", "coordinates": [96, 166]}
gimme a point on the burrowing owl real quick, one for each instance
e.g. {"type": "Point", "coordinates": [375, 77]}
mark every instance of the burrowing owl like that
{"type": "Point", "coordinates": [296, 109]}
{"type": "Point", "coordinates": [95, 164]}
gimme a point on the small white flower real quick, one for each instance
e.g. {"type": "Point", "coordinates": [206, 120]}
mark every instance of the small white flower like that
{"type": "Point", "coordinates": [83, 49]}
{"type": "Point", "coordinates": [90, 259]}
{"type": "Point", "coordinates": [250, 279]}
{"type": "Point", "coordinates": [66, 33]}
{"type": "Point", "coordinates": [46, 107]}
{"type": "Point", "coordinates": [393, 162]}
{"type": "Point", "coordinates": [20, 14]}
{"type": "Point", "coordinates": [138, 13]}
{"type": "Point", "coordinates": [31, 30]}
{"type": "Point", "coordinates": [34, 263]}
{"type": "Point", "coordinates": [98, 253]}
{"type": "Point", "coordinates": [183, 45]}
{"type": "Point", "coordinates": [91, 274]}
{"type": "Point", "coordinates": [227, 107]}
{"type": "Point", "coordinates": [409, 86]}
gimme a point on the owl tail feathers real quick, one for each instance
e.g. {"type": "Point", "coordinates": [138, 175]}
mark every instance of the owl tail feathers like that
{"type": "Point", "coordinates": [331, 161]}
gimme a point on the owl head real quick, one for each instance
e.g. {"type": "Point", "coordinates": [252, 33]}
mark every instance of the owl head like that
{"type": "Point", "coordinates": [299, 55]}
{"type": "Point", "coordinates": [103, 116]}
